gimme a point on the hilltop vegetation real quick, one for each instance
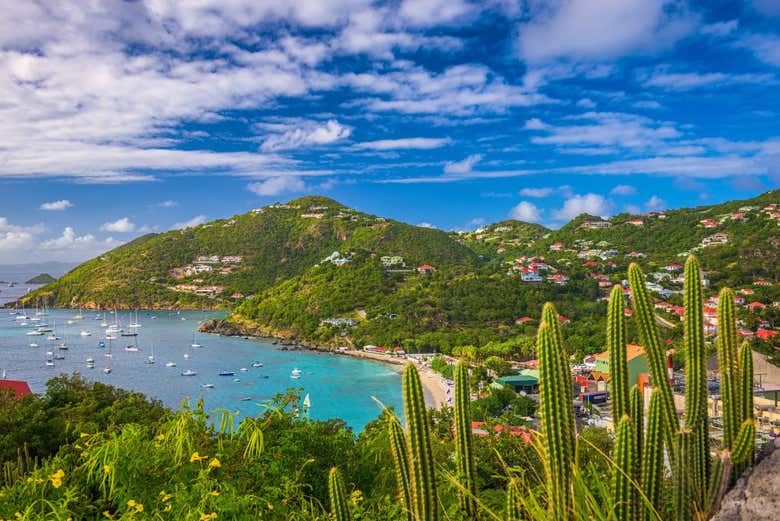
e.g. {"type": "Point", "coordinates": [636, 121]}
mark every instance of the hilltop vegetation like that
{"type": "Point", "coordinates": [319, 272]}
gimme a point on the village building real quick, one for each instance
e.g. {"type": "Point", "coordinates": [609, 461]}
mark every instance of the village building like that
{"type": "Point", "coordinates": [636, 362]}
{"type": "Point", "coordinates": [18, 388]}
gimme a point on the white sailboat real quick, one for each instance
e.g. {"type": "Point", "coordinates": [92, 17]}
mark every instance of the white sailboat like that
{"type": "Point", "coordinates": [295, 373]}
{"type": "Point", "coordinates": [135, 323]}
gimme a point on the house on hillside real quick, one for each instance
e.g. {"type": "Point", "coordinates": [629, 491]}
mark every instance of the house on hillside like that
{"type": "Point", "coordinates": [636, 362]}
{"type": "Point", "coordinates": [425, 268]}
{"type": "Point", "coordinates": [756, 306]}
{"type": "Point", "coordinates": [596, 224]}
{"type": "Point", "coordinates": [636, 222]}
{"type": "Point", "coordinates": [559, 278]}
{"type": "Point", "coordinates": [523, 320]}
{"type": "Point", "coordinates": [715, 240]}
{"type": "Point", "coordinates": [529, 275]}
{"type": "Point", "coordinates": [709, 223]}
{"type": "Point", "coordinates": [556, 246]}
{"type": "Point", "coordinates": [18, 388]}
{"type": "Point", "coordinates": [672, 267]}
{"type": "Point", "coordinates": [312, 215]}
{"type": "Point", "coordinates": [766, 334]}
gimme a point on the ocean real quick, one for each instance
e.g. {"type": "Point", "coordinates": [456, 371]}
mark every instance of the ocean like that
{"type": "Point", "coordinates": [338, 386]}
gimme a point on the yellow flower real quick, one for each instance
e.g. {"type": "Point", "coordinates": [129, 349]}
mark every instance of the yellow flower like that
{"type": "Point", "coordinates": [18, 515]}
{"type": "Point", "coordinates": [139, 507]}
{"type": "Point", "coordinates": [56, 483]}
{"type": "Point", "coordinates": [208, 517]}
{"type": "Point", "coordinates": [356, 497]}
{"type": "Point", "coordinates": [131, 503]}
{"type": "Point", "coordinates": [107, 514]}
{"type": "Point", "coordinates": [167, 508]}
{"type": "Point", "coordinates": [197, 457]}
{"type": "Point", "coordinates": [214, 493]}
{"type": "Point", "coordinates": [159, 437]}
{"type": "Point", "coordinates": [270, 506]}
{"type": "Point", "coordinates": [165, 496]}
{"type": "Point", "coordinates": [83, 435]}
{"type": "Point", "coordinates": [214, 464]}
{"type": "Point", "coordinates": [106, 469]}
{"type": "Point", "coordinates": [78, 446]}
{"type": "Point", "coordinates": [59, 474]}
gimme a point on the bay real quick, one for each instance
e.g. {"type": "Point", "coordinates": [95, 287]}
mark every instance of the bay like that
{"type": "Point", "coordinates": [338, 386]}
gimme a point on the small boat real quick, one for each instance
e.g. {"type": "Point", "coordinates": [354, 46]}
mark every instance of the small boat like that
{"type": "Point", "coordinates": [35, 333]}
{"type": "Point", "coordinates": [257, 364]}
{"type": "Point", "coordinates": [111, 337]}
{"type": "Point", "coordinates": [33, 344]}
{"type": "Point", "coordinates": [85, 333]}
{"type": "Point", "coordinates": [63, 346]}
{"type": "Point", "coordinates": [90, 360]}
{"type": "Point", "coordinates": [208, 386]}
{"type": "Point", "coordinates": [129, 333]}
{"type": "Point", "coordinates": [195, 345]}
{"type": "Point", "coordinates": [71, 321]}
{"type": "Point", "coordinates": [186, 356]}
{"type": "Point", "coordinates": [49, 362]}
{"type": "Point", "coordinates": [264, 376]}
{"type": "Point", "coordinates": [296, 372]}
{"type": "Point", "coordinates": [52, 338]}
{"type": "Point", "coordinates": [227, 373]}
{"type": "Point", "coordinates": [246, 399]}
{"type": "Point", "coordinates": [108, 355]}
{"type": "Point", "coordinates": [150, 359]}
{"type": "Point", "coordinates": [170, 364]}
{"type": "Point", "coordinates": [107, 370]}
{"type": "Point", "coordinates": [101, 344]}
{"type": "Point", "coordinates": [131, 349]}
{"type": "Point", "coordinates": [243, 369]}
{"type": "Point", "coordinates": [59, 357]}
{"type": "Point", "coordinates": [104, 324]}
{"type": "Point", "coordinates": [236, 380]}
{"type": "Point", "coordinates": [189, 372]}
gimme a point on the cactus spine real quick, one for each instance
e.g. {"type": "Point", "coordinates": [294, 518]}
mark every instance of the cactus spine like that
{"type": "Point", "coordinates": [616, 346]}
{"type": "Point", "coordinates": [421, 472]}
{"type": "Point", "coordinates": [401, 460]}
{"type": "Point", "coordinates": [727, 361]}
{"type": "Point", "coordinates": [624, 477]}
{"type": "Point", "coordinates": [648, 333]}
{"type": "Point", "coordinates": [463, 442]}
{"type": "Point", "coordinates": [339, 508]}
{"type": "Point", "coordinates": [696, 376]}
{"type": "Point", "coordinates": [557, 415]}
{"type": "Point", "coordinates": [653, 455]}
{"type": "Point", "coordinates": [683, 475]}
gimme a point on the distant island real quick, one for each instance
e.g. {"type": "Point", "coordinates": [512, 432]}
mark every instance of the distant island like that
{"type": "Point", "coordinates": [43, 278]}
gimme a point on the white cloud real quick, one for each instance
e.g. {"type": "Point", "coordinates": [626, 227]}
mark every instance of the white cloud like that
{"type": "Point", "coordinates": [428, 13]}
{"type": "Point", "coordinates": [526, 211]}
{"type": "Point", "coordinates": [537, 192]}
{"type": "Point", "coordinates": [123, 225]}
{"type": "Point", "coordinates": [667, 80]}
{"type": "Point", "coordinates": [623, 190]}
{"type": "Point", "coordinates": [766, 47]}
{"type": "Point", "coordinates": [592, 204]}
{"type": "Point", "coordinates": [463, 166]}
{"type": "Point", "coordinates": [419, 143]}
{"type": "Point", "coordinates": [586, 103]}
{"type": "Point", "coordinates": [655, 204]}
{"type": "Point", "coordinates": [62, 204]}
{"type": "Point", "coordinates": [16, 243]}
{"type": "Point", "coordinates": [277, 185]}
{"type": "Point", "coordinates": [168, 204]}
{"type": "Point", "coordinates": [534, 124]}
{"type": "Point", "coordinates": [426, 225]}
{"type": "Point", "coordinates": [583, 29]}
{"type": "Point", "coordinates": [195, 221]}
{"type": "Point", "coordinates": [310, 134]}
{"type": "Point", "coordinates": [632, 209]}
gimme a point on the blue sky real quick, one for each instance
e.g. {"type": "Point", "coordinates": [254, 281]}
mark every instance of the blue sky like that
{"type": "Point", "coordinates": [121, 118]}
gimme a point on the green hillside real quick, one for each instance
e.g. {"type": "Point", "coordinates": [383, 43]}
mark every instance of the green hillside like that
{"type": "Point", "coordinates": [275, 243]}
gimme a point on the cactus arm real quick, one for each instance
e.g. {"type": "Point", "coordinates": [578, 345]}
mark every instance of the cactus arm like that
{"type": "Point", "coordinates": [742, 453]}
{"type": "Point", "coordinates": [653, 456]}
{"type": "Point", "coordinates": [512, 501]}
{"type": "Point", "coordinates": [421, 471]}
{"type": "Point", "coordinates": [464, 443]}
{"type": "Point", "coordinates": [339, 508]}
{"type": "Point", "coordinates": [727, 360]}
{"type": "Point", "coordinates": [746, 382]}
{"type": "Point", "coordinates": [399, 453]}
{"type": "Point", "coordinates": [616, 347]}
{"type": "Point", "coordinates": [683, 476]}
{"type": "Point", "coordinates": [645, 316]}
{"type": "Point", "coordinates": [624, 475]}
{"type": "Point", "coordinates": [637, 412]}
{"type": "Point", "coordinates": [557, 415]}
{"type": "Point", "coordinates": [696, 377]}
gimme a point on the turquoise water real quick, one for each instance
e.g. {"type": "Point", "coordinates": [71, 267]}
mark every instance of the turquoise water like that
{"type": "Point", "coordinates": [338, 386]}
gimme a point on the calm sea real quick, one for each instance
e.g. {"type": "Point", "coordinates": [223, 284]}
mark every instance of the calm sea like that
{"type": "Point", "coordinates": [338, 386]}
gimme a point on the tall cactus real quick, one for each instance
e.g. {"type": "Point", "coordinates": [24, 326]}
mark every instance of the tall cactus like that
{"type": "Point", "coordinates": [513, 509]}
{"type": "Point", "coordinates": [624, 476]}
{"type": "Point", "coordinates": [557, 415]}
{"type": "Point", "coordinates": [696, 377]}
{"type": "Point", "coordinates": [421, 471]}
{"type": "Point", "coordinates": [637, 407]}
{"type": "Point", "coordinates": [648, 333]}
{"type": "Point", "coordinates": [653, 456]}
{"type": "Point", "coordinates": [463, 442]}
{"type": "Point", "coordinates": [616, 347]}
{"type": "Point", "coordinates": [400, 458]}
{"type": "Point", "coordinates": [683, 476]}
{"type": "Point", "coordinates": [727, 361]}
{"type": "Point", "coordinates": [339, 508]}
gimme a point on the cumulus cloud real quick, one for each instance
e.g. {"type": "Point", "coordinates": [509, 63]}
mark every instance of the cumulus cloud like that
{"type": "Point", "coordinates": [55, 206]}
{"type": "Point", "coordinates": [655, 204]}
{"type": "Point", "coordinates": [310, 134]}
{"type": "Point", "coordinates": [195, 221]}
{"type": "Point", "coordinates": [592, 204]}
{"type": "Point", "coordinates": [582, 29]}
{"type": "Point", "coordinates": [463, 166]}
{"type": "Point", "coordinates": [123, 225]}
{"type": "Point", "coordinates": [419, 143]}
{"type": "Point", "coordinates": [623, 190]}
{"type": "Point", "coordinates": [16, 242]}
{"type": "Point", "coordinates": [526, 211]}
{"type": "Point", "coordinates": [277, 185]}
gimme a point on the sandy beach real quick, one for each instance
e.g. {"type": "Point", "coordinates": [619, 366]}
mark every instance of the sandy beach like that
{"type": "Point", "coordinates": [434, 385]}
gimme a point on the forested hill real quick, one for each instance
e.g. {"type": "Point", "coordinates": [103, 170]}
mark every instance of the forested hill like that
{"type": "Point", "coordinates": [242, 254]}
{"type": "Point", "coordinates": [317, 271]}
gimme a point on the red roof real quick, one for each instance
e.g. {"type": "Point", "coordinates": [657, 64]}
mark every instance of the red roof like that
{"type": "Point", "coordinates": [756, 305]}
{"type": "Point", "coordinates": [523, 320]}
{"type": "Point", "coordinates": [765, 334]}
{"type": "Point", "coordinates": [425, 267]}
{"type": "Point", "coordinates": [18, 387]}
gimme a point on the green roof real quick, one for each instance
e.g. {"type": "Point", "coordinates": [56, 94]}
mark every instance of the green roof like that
{"type": "Point", "coordinates": [519, 379]}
